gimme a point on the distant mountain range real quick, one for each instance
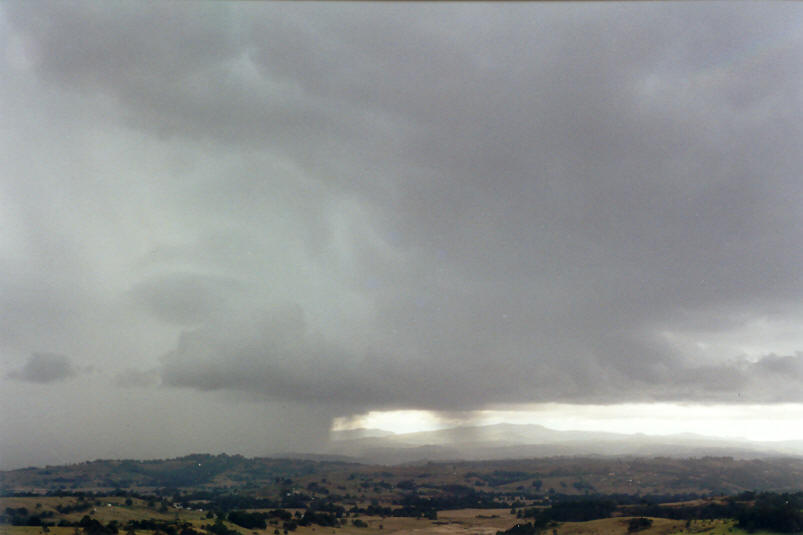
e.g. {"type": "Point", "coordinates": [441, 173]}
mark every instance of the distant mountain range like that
{"type": "Point", "coordinates": [509, 441]}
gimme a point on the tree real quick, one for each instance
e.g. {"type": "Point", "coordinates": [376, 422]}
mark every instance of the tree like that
{"type": "Point", "coordinates": [638, 524]}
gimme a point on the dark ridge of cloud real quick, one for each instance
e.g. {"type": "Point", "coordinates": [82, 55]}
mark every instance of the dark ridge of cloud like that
{"type": "Point", "coordinates": [789, 365]}
{"type": "Point", "coordinates": [44, 368]}
{"type": "Point", "coordinates": [275, 355]}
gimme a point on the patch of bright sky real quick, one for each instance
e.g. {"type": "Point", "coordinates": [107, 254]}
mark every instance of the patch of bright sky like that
{"type": "Point", "coordinates": [752, 422]}
{"type": "Point", "coordinates": [402, 421]}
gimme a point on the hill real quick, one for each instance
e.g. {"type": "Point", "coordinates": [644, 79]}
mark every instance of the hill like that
{"type": "Point", "coordinates": [569, 475]}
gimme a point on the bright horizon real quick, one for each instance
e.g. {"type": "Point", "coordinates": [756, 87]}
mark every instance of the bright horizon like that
{"type": "Point", "coordinates": [758, 423]}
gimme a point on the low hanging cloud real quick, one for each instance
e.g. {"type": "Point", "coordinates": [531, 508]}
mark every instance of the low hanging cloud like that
{"type": "Point", "coordinates": [273, 354]}
{"type": "Point", "coordinates": [44, 368]}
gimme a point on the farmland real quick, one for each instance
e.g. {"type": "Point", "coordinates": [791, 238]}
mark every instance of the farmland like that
{"type": "Point", "coordinates": [233, 495]}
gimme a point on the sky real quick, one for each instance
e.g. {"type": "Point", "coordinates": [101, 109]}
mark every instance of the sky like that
{"type": "Point", "coordinates": [227, 226]}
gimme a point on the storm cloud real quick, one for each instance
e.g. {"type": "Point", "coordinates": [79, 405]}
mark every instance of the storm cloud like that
{"type": "Point", "coordinates": [353, 207]}
{"type": "Point", "coordinates": [44, 368]}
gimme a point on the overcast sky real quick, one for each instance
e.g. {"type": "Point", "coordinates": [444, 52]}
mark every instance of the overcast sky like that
{"type": "Point", "coordinates": [225, 225]}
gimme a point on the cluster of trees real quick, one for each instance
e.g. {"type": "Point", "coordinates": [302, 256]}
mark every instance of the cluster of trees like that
{"type": "Point", "coordinates": [323, 514]}
{"type": "Point", "coordinates": [248, 520]}
{"type": "Point", "coordinates": [457, 497]}
{"type": "Point", "coordinates": [638, 524]}
{"type": "Point", "coordinates": [78, 507]}
{"type": "Point", "coordinates": [219, 528]}
{"type": "Point", "coordinates": [92, 526]}
{"type": "Point", "coordinates": [320, 518]}
{"type": "Point", "coordinates": [20, 516]}
{"type": "Point", "coordinates": [775, 512]}
{"type": "Point", "coordinates": [705, 511]}
{"type": "Point", "coordinates": [152, 524]}
{"type": "Point", "coordinates": [770, 511]}
{"type": "Point", "coordinates": [571, 510]}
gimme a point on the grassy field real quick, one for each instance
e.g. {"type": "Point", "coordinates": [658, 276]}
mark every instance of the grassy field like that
{"type": "Point", "coordinates": [428, 482]}
{"type": "Point", "coordinates": [456, 522]}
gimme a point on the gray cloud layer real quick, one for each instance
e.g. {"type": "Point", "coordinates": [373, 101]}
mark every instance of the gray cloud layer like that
{"type": "Point", "coordinates": [437, 206]}
{"type": "Point", "coordinates": [44, 368]}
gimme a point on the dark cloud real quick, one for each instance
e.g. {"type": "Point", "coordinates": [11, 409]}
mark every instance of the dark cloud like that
{"type": "Point", "coordinates": [464, 205]}
{"type": "Point", "coordinates": [274, 355]}
{"type": "Point", "coordinates": [44, 368]}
